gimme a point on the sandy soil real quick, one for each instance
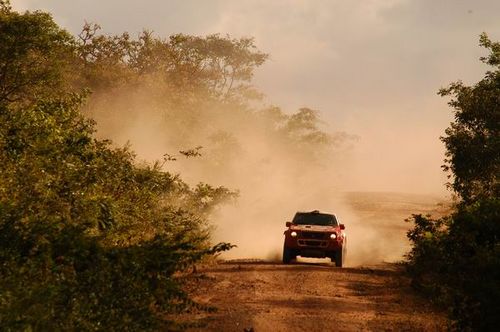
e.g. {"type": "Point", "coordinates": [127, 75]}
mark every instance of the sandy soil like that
{"type": "Point", "coordinates": [309, 296]}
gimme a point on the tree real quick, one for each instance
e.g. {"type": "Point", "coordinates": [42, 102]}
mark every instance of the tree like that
{"type": "Point", "coordinates": [456, 259]}
{"type": "Point", "coordinates": [473, 140]}
{"type": "Point", "coordinates": [219, 66]}
{"type": "Point", "coordinates": [34, 55]}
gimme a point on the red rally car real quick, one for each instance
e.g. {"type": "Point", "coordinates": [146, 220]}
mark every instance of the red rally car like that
{"type": "Point", "coordinates": [315, 234]}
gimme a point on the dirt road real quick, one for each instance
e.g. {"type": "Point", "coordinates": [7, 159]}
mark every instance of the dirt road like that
{"type": "Point", "coordinates": [312, 297]}
{"type": "Point", "coordinates": [315, 296]}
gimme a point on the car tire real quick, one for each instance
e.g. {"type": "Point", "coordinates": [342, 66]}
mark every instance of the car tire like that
{"type": "Point", "coordinates": [339, 258]}
{"type": "Point", "coordinates": [287, 255]}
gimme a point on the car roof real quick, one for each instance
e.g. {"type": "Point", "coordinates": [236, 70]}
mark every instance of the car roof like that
{"type": "Point", "coordinates": [316, 212]}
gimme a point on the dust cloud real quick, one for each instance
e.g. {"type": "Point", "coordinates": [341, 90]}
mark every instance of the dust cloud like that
{"type": "Point", "coordinates": [275, 177]}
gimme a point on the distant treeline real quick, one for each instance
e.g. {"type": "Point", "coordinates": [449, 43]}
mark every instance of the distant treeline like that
{"type": "Point", "coordinates": [456, 259]}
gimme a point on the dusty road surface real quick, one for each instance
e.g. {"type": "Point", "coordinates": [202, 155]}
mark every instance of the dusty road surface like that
{"type": "Point", "coordinates": [312, 297]}
{"type": "Point", "coordinates": [264, 296]}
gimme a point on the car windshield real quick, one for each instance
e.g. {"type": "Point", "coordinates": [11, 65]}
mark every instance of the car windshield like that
{"type": "Point", "coordinates": [314, 218]}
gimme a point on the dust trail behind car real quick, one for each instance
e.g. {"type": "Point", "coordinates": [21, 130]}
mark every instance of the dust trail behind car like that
{"type": "Point", "coordinates": [374, 224]}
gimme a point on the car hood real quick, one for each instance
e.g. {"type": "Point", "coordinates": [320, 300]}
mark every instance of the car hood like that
{"type": "Point", "coordinates": [313, 228]}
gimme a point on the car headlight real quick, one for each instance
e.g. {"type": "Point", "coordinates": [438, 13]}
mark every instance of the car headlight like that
{"type": "Point", "coordinates": [293, 234]}
{"type": "Point", "coordinates": [333, 236]}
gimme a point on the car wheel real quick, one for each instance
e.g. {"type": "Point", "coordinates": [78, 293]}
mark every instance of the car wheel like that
{"type": "Point", "coordinates": [339, 258]}
{"type": "Point", "coordinates": [344, 251]}
{"type": "Point", "coordinates": [287, 255]}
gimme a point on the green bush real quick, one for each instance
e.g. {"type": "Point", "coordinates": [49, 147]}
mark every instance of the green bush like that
{"type": "Point", "coordinates": [456, 260]}
{"type": "Point", "coordinates": [89, 240]}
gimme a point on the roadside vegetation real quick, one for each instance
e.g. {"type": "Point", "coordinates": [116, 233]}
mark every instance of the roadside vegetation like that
{"type": "Point", "coordinates": [90, 237]}
{"type": "Point", "coordinates": [456, 259]}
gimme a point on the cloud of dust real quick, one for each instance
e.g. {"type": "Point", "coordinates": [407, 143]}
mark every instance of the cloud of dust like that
{"type": "Point", "coordinates": [274, 179]}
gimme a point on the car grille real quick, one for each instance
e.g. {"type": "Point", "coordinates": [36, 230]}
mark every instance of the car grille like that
{"type": "Point", "coordinates": [312, 243]}
{"type": "Point", "coordinates": [313, 235]}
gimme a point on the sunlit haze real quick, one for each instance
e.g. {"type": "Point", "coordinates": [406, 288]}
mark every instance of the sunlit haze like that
{"type": "Point", "coordinates": [371, 67]}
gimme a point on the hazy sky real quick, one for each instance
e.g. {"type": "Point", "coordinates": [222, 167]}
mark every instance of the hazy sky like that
{"type": "Point", "coordinates": [371, 67]}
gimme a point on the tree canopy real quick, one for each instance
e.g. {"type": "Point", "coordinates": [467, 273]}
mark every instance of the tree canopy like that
{"type": "Point", "coordinates": [473, 140]}
{"type": "Point", "coordinates": [33, 56]}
